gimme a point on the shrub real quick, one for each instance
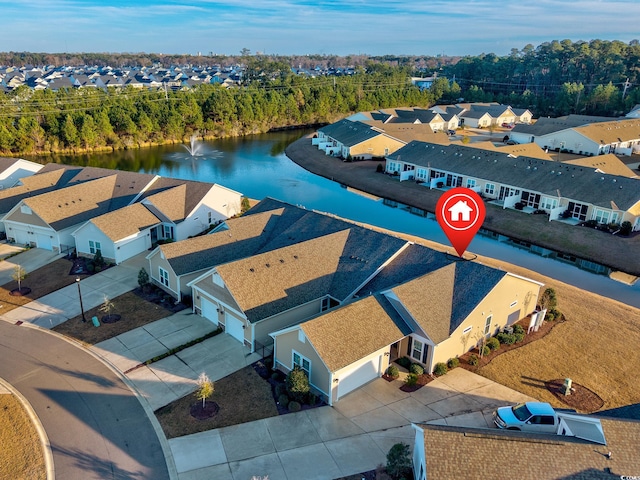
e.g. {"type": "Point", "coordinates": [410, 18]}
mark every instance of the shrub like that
{"type": "Point", "coordinates": [506, 338]}
{"type": "Point", "coordinates": [591, 223]}
{"type": "Point", "coordinates": [275, 376]}
{"type": "Point", "coordinates": [283, 400]}
{"type": "Point", "coordinates": [518, 329]}
{"type": "Point", "coordinates": [297, 384]}
{"type": "Point", "coordinates": [556, 314]}
{"type": "Point", "coordinates": [411, 380]}
{"type": "Point", "coordinates": [519, 206]}
{"type": "Point", "coordinates": [485, 351]}
{"type": "Point", "coordinates": [393, 371]}
{"type": "Point", "coordinates": [625, 228]}
{"type": "Point", "coordinates": [473, 359]}
{"type": "Point", "coordinates": [453, 363]}
{"type": "Point", "coordinates": [312, 399]}
{"type": "Point", "coordinates": [244, 204]}
{"type": "Point", "coordinates": [548, 299]}
{"type": "Point", "coordinates": [493, 343]}
{"type": "Point", "coordinates": [440, 369]}
{"type": "Point", "coordinates": [379, 168]}
{"type": "Point", "coordinates": [143, 277]}
{"type": "Point", "coordinates": [399, 461]}
{"type": "Point", "coordinates": [404, 362]}
{"type": "Point", "coordinates": [519, 337]}
{"type": "Point", "coordinates": [281, 389]}
{"type": "Point", "coordinates": [416, 368]}
{"type": "Point", "coordinates": [294, 407]}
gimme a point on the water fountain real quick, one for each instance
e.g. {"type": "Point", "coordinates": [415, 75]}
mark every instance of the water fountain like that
{"type": "Point", "coordinates": [194, 147]}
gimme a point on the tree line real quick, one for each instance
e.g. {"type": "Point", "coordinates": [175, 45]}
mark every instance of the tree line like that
{"type": "Point", "coordinates": [74, 120]}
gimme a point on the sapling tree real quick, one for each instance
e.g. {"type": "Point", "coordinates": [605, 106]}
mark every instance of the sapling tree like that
{"type": "Point", "coordinates": [19, 274]}
{"type": "Point", "coordinates": [205, 388]}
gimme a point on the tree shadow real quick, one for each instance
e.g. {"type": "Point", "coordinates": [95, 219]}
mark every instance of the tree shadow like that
{"type": "Point", "coordinates": [102, 468]}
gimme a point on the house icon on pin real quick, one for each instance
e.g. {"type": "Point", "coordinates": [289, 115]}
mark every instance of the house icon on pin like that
{"type": "Point", "coordinates": [460, 209]}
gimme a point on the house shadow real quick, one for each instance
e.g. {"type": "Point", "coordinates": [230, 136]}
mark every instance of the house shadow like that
{"type": "Point", "coordinates": [631, 412]}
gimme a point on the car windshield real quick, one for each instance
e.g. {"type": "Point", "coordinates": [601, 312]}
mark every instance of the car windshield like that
{"type": "Point", "coordinates": [521, 412]}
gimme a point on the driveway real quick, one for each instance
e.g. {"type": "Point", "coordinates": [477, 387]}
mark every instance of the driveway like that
{"type": "Point", "coordinates": [330, 442]}
{"type": "Point", "coordinates": [61, 305]}
{"type": "Point", "coordinates": [96, 426]}
{"type": "Point", "coordinates": [30, 260]}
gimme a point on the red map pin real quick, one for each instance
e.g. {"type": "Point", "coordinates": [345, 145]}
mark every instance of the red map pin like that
{"type": "Point", "coordinates": [460, 213]}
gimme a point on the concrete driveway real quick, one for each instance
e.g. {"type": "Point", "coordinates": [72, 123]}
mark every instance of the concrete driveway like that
{"type": "Point", "coordinates": [330, 442]}
{"type": "Point", "coordinates": [30, 260]}
{"type": "Point", "coordinates": [61, 305]}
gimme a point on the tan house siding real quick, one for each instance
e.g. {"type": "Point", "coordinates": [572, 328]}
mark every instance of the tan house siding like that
{"type": "Point", "coordinates": [376, 147]}
{"type": "Point", "coordinates": [29, 219]}
{"type": "Point", "coordinates": [497, 304]}
{"type": "Point", "coordinates": [156, 261]}
{"type": "Point", "coordinates": [320, 376]}
{"type": "Point", "coordinates": [285, 319]}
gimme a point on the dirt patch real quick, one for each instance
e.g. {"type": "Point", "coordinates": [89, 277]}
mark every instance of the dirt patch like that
{"type": "Point", "coordinates": [581, 397]}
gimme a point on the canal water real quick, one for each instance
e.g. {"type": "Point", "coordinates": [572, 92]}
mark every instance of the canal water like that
{"type": "Point", "coordinates": [257, 167]}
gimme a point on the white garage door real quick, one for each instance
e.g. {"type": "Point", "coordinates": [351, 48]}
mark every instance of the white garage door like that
{"type": "Point", "coordinates": [131, 249]}
{"type": "Point", "coordinates": [209, 311]}
{"type": "Point", "coordinates": [20, 236]}
{"type": "Point", "coordinates": [43, 241]}
{"type": "Point", "coordinates": [358, 377]}
{"type": "Point", "coordinates": [234, 328]}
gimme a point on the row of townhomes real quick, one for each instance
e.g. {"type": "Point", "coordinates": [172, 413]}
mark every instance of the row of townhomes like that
{"type": "Point", "coordinates": [337, 299]}
{"type": "Point", "coordinates": [368, 135]}
{"type": "Point", "coordinates": [121, 214]}
{"type": "Point", "coordinates": [584, 192]}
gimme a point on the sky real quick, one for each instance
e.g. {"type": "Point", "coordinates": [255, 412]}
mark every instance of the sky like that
{"type": "Point", "coordinates": [300, 27]}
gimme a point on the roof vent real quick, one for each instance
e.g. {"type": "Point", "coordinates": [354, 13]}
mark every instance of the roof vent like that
{"type": "Point", "coordinates": [295, 256]}
{"type": "Point", "coordinates": [267, 265]}
{"type": "Point", "coordinates": [281, 260]}
{"type": "Point", "coordinates": [252, 269]}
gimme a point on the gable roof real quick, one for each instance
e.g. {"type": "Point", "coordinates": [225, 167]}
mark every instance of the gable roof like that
{"type": "Point", "coordinates": [606, 133]}
{"type": "Point", "coordinates": [174, 199]}
{"type": "Point", "coordinates": [32, 185]}
{"type": "Point", "coordinates": [440, 301]}
{"type": "Point", "coordinates": [350, 333]}
{"type": "Point", "coordinates": [540, 457]}
{"type": "Point", "coordinates": [124, 222]}
{"type": "Point", "coordinates": [546, 125]}
{"type": "Point", "coordinates": [350, 133]}
{"type": "Point", "coordinates": [547, 177]}
{"type": "Point", "coordinates": [607, 163]}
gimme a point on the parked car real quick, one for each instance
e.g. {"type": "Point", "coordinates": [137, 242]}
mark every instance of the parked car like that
{"type": "Point", "coordinates": [451, 132]}
{"type": "Point", "coordinates": [536, 417]}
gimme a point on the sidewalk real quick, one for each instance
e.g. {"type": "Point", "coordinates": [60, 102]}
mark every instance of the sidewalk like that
{"type": "Point", "coordinates": [352, 437]}
{"type": "Point", "coordinates": [61, 305]}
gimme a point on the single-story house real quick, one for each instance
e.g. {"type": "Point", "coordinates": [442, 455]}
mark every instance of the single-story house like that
{"type": "Point", "coordinates": [355, 139]}
{"type": "Point", "coordinates": [430, 319]}
{"type": "Point", "coordinates": [118, 235]}
{"type": "Point", "coordinates": [187, 208]}
{"type": "Point", "coordinates": [585, 193]}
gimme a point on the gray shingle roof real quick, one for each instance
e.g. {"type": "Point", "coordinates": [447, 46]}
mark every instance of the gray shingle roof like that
{"type": "Point", "coordinates": [547, 177]}
{"type": "Point", "coordinates": [125, 221]}
{"type": "Point", "coordinates": [349, 133]}
{"type": "Point", "coordinates": [545, 125]}
{"type": "Point", "coordinates": [174, 198]}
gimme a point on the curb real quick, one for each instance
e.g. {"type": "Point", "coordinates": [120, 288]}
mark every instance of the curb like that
{"type": "Point", "coordinates": [164, 443]}
{"type": "Point", "coordinates": [44, 439]}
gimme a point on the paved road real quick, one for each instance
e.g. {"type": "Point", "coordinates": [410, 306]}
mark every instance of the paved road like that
{"type": "Point", "coordinates": [96, 426]}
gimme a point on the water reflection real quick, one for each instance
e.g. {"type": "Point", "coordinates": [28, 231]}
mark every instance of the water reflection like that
{"type": "Point", "coordinates": [257, 167]}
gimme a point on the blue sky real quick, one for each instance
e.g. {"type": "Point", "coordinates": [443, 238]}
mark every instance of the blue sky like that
{"type": "Point", "coordinates": [417, 27]}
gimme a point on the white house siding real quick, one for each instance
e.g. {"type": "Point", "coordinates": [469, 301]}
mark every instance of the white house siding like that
{"type": "Point", "coordinates": [20, 169]}
{"type": "Point", "coordinates": [222, 202]}
{"type": "Point", "coordinates": [419, 458]}
{"type": "Point", "coordinates": [89, 232]}
{"type": "Point", "coordinates": [132, 246]}
{"type": "Point", "coordinates": [571, 141]}
{"type": "Point", "coordinates": [359, 373]}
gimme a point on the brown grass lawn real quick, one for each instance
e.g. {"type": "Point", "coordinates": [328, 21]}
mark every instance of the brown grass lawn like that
{"type": "Point", "coordinates": [134, 310]}
{"type": "Point", "coordinates": [21, 455]}
{"type": "Point", "coordinates": [243, 397]}
{"type": "Point", "coordinates": [42, 281]}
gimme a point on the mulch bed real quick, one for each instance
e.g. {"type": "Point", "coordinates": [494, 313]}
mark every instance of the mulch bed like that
{"type": "Point", "coordinates": [581, 397]}
{"type": "Point", "coordinates": [544, 329]}
{"type": "Point", "coordinates": [111, 318]}
{"type": "Point", "coordinates": [199, 413]}
{"type": "Point", "coordinates": [79, 266]}
{"type": "Point", "coordinates": [20, 292]}
{"type": "Point", "coordinates": [156, 295]}
{"type": "Point", "coordinates": [422, 381]}
{"type": "Point", "coordinates": [275, 378]}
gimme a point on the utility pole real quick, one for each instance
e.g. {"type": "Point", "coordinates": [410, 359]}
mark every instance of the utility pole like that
{"type": "Point", "coordinates": [626, 86]}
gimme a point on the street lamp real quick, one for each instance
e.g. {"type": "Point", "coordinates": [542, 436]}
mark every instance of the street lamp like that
{"type": "Point", "coordinates": [80, 295]}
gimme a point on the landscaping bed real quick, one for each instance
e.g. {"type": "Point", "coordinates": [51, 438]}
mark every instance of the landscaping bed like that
{"type": "Point", "coordinates": [581, 397]}
{"type": "Point", "coordinates": [156, 295]}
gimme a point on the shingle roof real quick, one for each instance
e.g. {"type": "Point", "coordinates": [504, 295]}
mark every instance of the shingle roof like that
{"type": "Point", "coordinates": [275, 281]}
{"type": "Point", "coordinates": [352, 332]}
{"type": "Point", "coordinates": [125, 222]}
{"type": "Point", "coordinates": [175, 199]}
{"type": "Point", "coordinates": [547, 177]}
{"type": "Point", "coordinates": [608, 163]}
{"type": "Point", "coordinates": [6, 162]}
{"type": "Point", "coordinates": [244, 237]}
{"type": "Point", "coordinates": [530, 456]}
{"type": "Point", "coordinates": [440, 301]}
{"type": "Point", "coordinates": [32, 185]}
{"type": "Point", "coordinates": [349, 133]}
{"type": "Point", "coordinates": [611, 132]}
{"type": "Point", "coordinates": [546, 125]}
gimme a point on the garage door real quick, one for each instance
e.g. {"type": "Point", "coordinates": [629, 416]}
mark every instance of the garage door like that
{"type": "Point", "coordinates": [209, 311]}
{"type": "Point", "coordinates": [20, 236]}
{"type": "Point", "coordinates": [43, 241]}
{"type": "Point", "coordinates": [358, 377]}
{"type": "Point", "coordinates": [234, 328]}
{"type": "Point", "coordinates": [131, 249]}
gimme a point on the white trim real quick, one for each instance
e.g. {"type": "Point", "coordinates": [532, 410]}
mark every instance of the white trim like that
{"type": "Point", "coordinates": [525, 278]}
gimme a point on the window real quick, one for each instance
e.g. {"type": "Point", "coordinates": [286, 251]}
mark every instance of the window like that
{"type": "Point", "coordinates": [513, 304]}
{"type": "Point", "coordinates": [467, 330]}
{"type": "Point", "coordinates": [471, 182]}
{"type": "Point", "coordinates": [302, 362]}
{"type": "Point", "coordinates": [487, 325]}
{"type": "Point", "coordinates": [209, 217]}
{"type": "Point", "coordinates": [94, 247]}
{"type": "Point", "coordinates": [168, 231]}
{"type": "Point", "coordinates": [421, 174]}
{"type": "Point", "coordinates": [549, 203]}
{"type": "Point", "coordinates": [25, 209]}
{"type": "Point", "coordinates": [489, 188]}
{"type": "Point", "coordinates": [164, 277]}
{"type": "Point", "coordinates": [325, 304]}
{"type": "Point", "coordinates": [416, 351]}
